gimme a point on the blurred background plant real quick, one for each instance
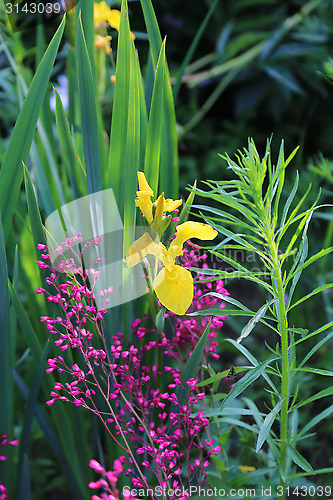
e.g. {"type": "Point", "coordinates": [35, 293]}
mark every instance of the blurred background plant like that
{"type": "Point", "coordinates": [261, 68]}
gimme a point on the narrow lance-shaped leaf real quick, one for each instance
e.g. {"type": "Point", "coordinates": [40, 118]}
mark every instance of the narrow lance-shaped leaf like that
{"type": "Point", "coordinates": [79, 489]}
{"type": "Point", "coordinates": [88, 113]}
{"type": "Point", "coordinates": [169, 169]}
{"type": "Point", "coordinates": [247, 380]}
{"type": "Point", "coordinates": [169, 149]}
{"type": "Point", "coordinates": [119, 124]}
{"type": "Point", "coordinates": [21, 138]}
{"type": "Point", "coordinates": [319, 395]}
{"type": "Point", "coordinates": [267, 424]}
{"type": "Point", "coordinates": [6, 388]}
{"type": "Point", "coordinates": [66, 144]}
{"type": "Point", "coordinates": [192, 48]}
{"type": "Point", "coordinates": [153, 148]}
{"type": "Point", "coordinates": [299, 460]}
{"type": "Point", "coordinates": [26, 430]}
{"type": "Point", "coordinates": [253, 321]}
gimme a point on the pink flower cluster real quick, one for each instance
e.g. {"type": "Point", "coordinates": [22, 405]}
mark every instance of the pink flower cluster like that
{"type": "Point", "coordinates": [146, 403]}
{"type": "Point", "coordinates": [4, 442]}
{"type": "Point", "coordinates": [108, 481]}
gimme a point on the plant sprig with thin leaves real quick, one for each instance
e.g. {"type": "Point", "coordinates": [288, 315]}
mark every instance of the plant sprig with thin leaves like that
{"type": "Point", "coordinates": [259, 222]}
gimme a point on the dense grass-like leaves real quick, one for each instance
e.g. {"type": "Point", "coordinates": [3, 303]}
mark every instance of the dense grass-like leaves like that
{"type": "Point", "coordinates": [154, 139]}
{"type": "Point", "coordinates": [67, 149]}
{"type": "Point", "coordinates": [11, 172]}
{"type": "Point", "coordinates": [169, 176]}
{"type": "Point", "coordinates": [119, 124]}
{"type": "Point", "coordinates": [88, 113]}
{"type": "Point", "coordinates": [6, 386]}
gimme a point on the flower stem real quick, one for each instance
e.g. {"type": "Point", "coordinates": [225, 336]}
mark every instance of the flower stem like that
{"type": "Point", "coordinates": [281, 313]}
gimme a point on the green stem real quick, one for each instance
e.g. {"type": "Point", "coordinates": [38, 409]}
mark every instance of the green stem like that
{"type": "Point", "coordinates": [283, 328]}
{"type": "Point", "coordinates": [283, 325]}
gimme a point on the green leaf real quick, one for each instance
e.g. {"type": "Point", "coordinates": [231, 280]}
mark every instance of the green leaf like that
{"type": "Point", "coordinates": [154, 139]}
{"type": "Point", "coordinates": [219, 376]}
{"type": "Point", "coordinates": [239, 423]}
{"type": "Point", "coordinates": [252, 360]}
{"type": "Point", "coordinates": [22, 135]}
{"type": "Point", "coordinates": [119, 123]}
{"type": "Point", "coordinates": [299, 460]}
{"type": "Point", "coordinates": [192, 48]}
{"type": "Point", "coordinates": [32, 403]}
{"type": "Point", "coordinates": [192, 364]}
{"type": "Point", "coordinates": [88, 106]}
{"type": "Point", "coordinates": [24, 487]}
{"type": "Point", "coordinates": [311, 294]}
{"type": "Point", "coordinates": [169, 174]}
{"type": "Point", "coordinates": [131, 163]}
{"type": "Point", "coordinates": [318, 418]}
{"type": "Point", "coordinates": [254, 320]}
{"type": "Point", "coordinates": [267, 424]}
{"type": "Point", "coordinates": [321, 394]}
{"type": "Point", "coordinates": [169, 148]}
{"type": "Point", "coordinates": [284, 77]}
{"type": "Point", "coordinates": [228, 411]}
{"type": "Point", "coordinates": [187, 207]}
{"type": "Point", "coordinates": [67, 149]}
{"type": "Point", "coordinates": [316, 332]}
{"type": "Point", "coordinates": [289, 201]}
{"type": "Point", "coordinates": [315, 349]}
{"type": "Point", "coordinates": [6, 394]}
{"type": "Point", "coordinates": [247, 380]}
{"type": "Point", "coordinates": [317, 371]}
{"type": "Point", "coordinates": [155, 39]}
{"type": "Point", "coordinates": [79, 489]}
{"type": "Point", "coordinates": [87, 16]}
{"type": "Point", "coordinates": [310, 261]}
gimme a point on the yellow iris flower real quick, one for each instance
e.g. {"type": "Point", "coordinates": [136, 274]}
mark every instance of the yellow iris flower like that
{"type": "Point", "coordinates": [103, 13]}
{"type": "Point", "coordinates": [145, 204]}
{"type": "Point", "coordinates": [174, 284]}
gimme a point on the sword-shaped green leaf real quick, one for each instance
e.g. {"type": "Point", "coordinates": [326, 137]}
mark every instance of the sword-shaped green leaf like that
{"type": "Point", "coordinates": [21, 139]}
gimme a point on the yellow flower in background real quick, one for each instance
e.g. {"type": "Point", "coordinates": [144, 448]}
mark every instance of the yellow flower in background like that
{"type": "Point", "coordinates": [103, 13]}
{"type": "Point", "coordinates": [174, 284]}
{"type": "Point", "coordinates": [103, 42]}
{"type": "Point", "coordinates": [145, 204]}
{"type": "Point", "coordinates": [246, 468]}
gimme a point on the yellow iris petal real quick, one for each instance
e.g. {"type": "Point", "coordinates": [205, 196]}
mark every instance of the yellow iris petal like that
{"type": "Point", "coordinates": [144, 202]}
{"type": "Point", "coordinates": [174, 288]}
{"type": "Point", "coordinates": [246, 468]}
{"type": "Point", "coordinates": [189, 230]}
{"type": "Point", "coordinates": [143, 184]}
{"type": "Point", "coordinates": [114, 19]}
{"type": "Point", "coordinates": [101, 12]}
{"type": "Point", "coordinates": [170, 205]}
{"type": "Point", "coordinates": [142, 247]}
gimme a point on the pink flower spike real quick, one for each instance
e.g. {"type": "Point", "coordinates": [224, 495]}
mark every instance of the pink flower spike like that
{"type": "Point", "coordinates": [96, 466]}
{"type": "Point", "coordinates": [192, 382]}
